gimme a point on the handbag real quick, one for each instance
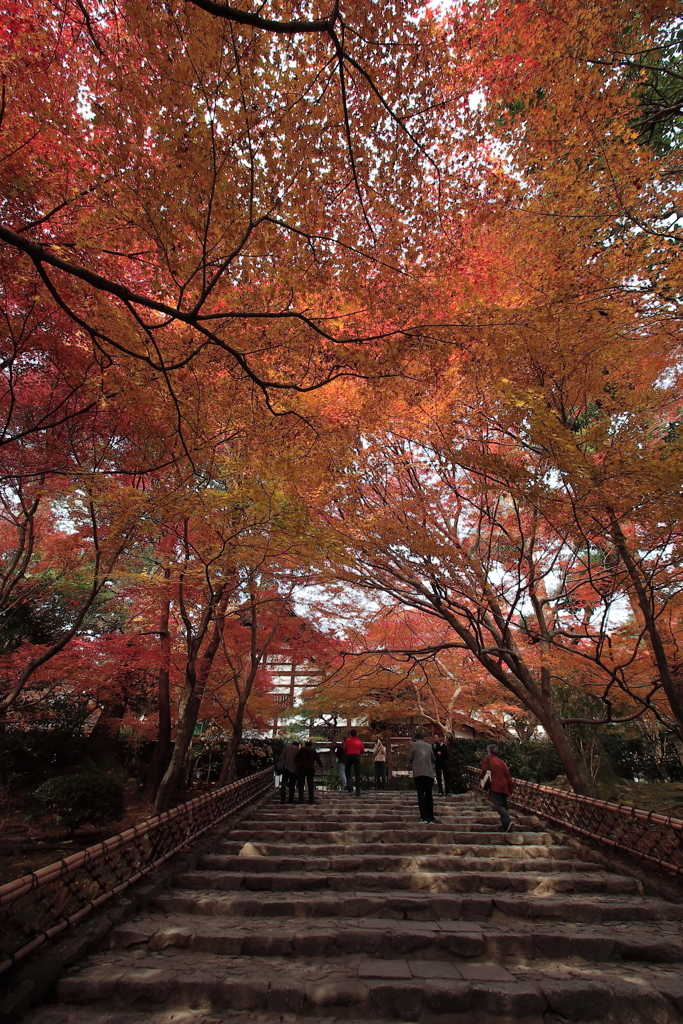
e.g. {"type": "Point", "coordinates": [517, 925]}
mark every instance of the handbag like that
{"type": "Point", "coordinates": [280, 766]}
{"type": "Point", "coordinates": [485, 780]}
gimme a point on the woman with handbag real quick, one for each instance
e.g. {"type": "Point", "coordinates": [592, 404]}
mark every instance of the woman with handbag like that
{"type": "Point", "coordinates": [497, 782]}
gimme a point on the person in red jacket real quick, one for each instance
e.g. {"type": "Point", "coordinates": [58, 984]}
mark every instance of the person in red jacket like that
{"type": "Point", "coordinates": [353, 748]}
{"type": "Point", "coordinates": [501, 785]}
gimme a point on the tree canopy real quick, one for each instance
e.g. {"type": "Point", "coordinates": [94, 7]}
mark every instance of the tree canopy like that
{"type": "Point", "coordinates": [369, 313]}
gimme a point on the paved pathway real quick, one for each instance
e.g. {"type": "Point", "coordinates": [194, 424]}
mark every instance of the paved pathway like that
{"type": "Point", "coordinates": [352, 910]}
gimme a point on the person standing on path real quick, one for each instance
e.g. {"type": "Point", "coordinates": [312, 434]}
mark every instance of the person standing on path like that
{"type": "Point", "coordinates": [421, 760]}
{"type": "Point", "coordinates": [443, 774]}
{"type": "Point", "coordinates": [341, 762]}
{"type": "Point", "coordinates": [288, 781]}
{"type": "Point", "coordinates": [305, 770]}
{"type": "Point", "coordinates": [501, 785]}
{"type": "Point", "coordinates": [353, 748]}
{"type": "Point", "coordinates": [380, 758]}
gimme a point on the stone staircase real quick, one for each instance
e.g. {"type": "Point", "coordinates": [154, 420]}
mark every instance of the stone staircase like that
{"type": "Point", "coordinates": [353, 910]}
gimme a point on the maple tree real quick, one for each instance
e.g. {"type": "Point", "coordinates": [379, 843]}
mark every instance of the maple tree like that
{"type": "Point", "coordinates": [217, 224]}
{"type": "Point", "coordinates": [211, 190]}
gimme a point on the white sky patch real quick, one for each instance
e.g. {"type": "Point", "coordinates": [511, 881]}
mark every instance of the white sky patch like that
{"type": "Point", "coordinates": [84, 101]}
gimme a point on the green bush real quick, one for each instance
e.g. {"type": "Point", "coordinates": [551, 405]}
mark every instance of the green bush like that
{"type": "Point", "coordinates": [532, 760]}
{"type": "Point", "coordinates": [46, 742]}
{"type": "Point", "coordinates": [641, 758]}
{"type": "Point", "coordinates": [83, 798]}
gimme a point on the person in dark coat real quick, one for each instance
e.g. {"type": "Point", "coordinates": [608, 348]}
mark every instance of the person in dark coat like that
{"type": "Point", "coordinates": [501, 785]}
{"type": "Point", "coordinates": [305, 770]}
{"type": "Point", "coordinates": [443, 774]}
{"type": "Point", "coordinates": [341, 761]}
{"type": "Point", "coordinates": [289, 771]}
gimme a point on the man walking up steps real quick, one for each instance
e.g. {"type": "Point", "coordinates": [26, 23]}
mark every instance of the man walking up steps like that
{"type": "Point", "coordinates": [353, 748]}
{"type": "Point", "coordinates": [501, 785]}
{"type": "Point", "coordinates": [421, 760]}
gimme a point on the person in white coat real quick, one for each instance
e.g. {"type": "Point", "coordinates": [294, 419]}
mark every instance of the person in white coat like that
{"type": "Point", "coordinates": [379, 756]}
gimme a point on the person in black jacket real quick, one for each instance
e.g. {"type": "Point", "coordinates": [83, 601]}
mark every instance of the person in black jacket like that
{"type": "Point", "coordinates": [443, 774]}
{"type": "Point", "coordinates": [305, 769]}
{"type": "Point", "coordinates": [341, 761]}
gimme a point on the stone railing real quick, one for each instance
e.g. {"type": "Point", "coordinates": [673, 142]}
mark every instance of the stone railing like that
{"type": "Point", "coordinates": [35, 908]}
{"type": "Point", "coordinates": [652, 838]}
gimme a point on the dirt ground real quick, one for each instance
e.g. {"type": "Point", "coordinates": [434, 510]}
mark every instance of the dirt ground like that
{"type": "Point", "coordinates": [25, 846]}
{"type": "Point", "coordinates": [663, 797]}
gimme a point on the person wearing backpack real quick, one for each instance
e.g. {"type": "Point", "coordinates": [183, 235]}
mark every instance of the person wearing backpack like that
{"type": "Point", "coordinates": [500, 787]}
{"type": "Point", "coordinates": [305, 761]}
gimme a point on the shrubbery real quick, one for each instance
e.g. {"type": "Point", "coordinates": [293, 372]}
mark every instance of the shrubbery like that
{"type": "Point", "coordinates": [46, 744]}
{"type": "Point", "coordinates": [83, 798]}
{"type": "Point", "coordinates": [532, 760]}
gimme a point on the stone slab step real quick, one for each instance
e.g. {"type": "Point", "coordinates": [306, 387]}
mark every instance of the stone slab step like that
{"type": "Point", "coordinates": [414, 907]}
{"type": "Point", "coordinates": [409, 990]}
{"type": "Point", "coordinates": [512, 859]}
{"type": "Point", "coordinates": [411, 827]}
{"type": "Point", "coordinates": [447, 851]}
{"type": "Point", "coordinates": [428, 940]}
{"type": "Point", "coordinates": [66, 1014]}
{"type": "Point", "coordinates": [419, 834]}
{"type": "Point", "coordinates": [297, 812]}
{"type": "Point", "coordinates": [419, 881]}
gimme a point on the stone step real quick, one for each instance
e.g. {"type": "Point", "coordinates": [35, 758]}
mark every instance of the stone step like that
{"type": "Point", "coordinates": [414, 907]}
{"type": "Point", "coordinates": [418, 835]}
{"type": "Point", "coordinates": [425, 940]}
{"type": "Point", "coordinates": [395, 851]}
{"type": "Point", "coordinates": [543, 883]}
{"type": "Point", "coordinates": [286, 848]}
{"type": "Point", "coordinates": [366, 988]}
{"type": "Point", "coordinates": [410, 828]}
{"type": "Point", "coordinates": [389, 796]}
{"type": "Point", "coordinates": [508, 859]}
{"type": "Point", "coordinates": [297, 812]}
{"type": "Point", "coordinates": [65, 1014]}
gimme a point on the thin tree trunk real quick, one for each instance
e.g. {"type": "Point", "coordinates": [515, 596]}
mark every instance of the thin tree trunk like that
{"type": "Point", "coordinates": [678, 745]}
{"type": "Point", "coordinates": [230, 757]}
{"type": "Point", "coordinates": [162, 750]}
{"type": "Point", "coordinates": [671, 684]}
{"type": "Point", "coordinates": [193, 692]}
{"type": "Point", "coordinates": [257, 654]}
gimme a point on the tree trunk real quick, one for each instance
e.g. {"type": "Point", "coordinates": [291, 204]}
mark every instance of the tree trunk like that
{"type": "Point", "coordinates": [187, 721]}
{"type": "Point", "coordinates": [191, 701]}
{"type": "Point", "coordinates": [678, 745]}
{"type": "Point", "coordinates": [162, 750]}
{"type": "Point", "coordinates": [228, 767]}
{"type": "Point", "coordinates": [574, 765]}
